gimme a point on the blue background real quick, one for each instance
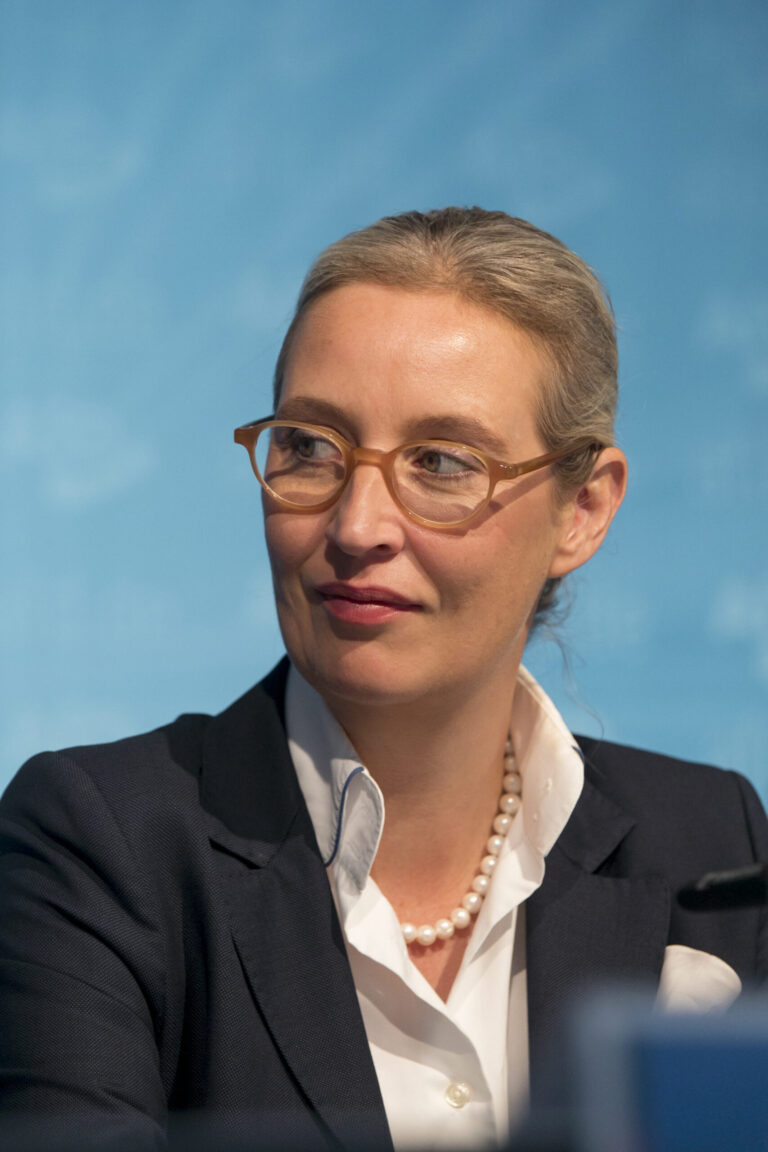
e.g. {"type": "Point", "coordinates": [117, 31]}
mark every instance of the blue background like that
{"type": "Point", "coordinates": [169, 170]}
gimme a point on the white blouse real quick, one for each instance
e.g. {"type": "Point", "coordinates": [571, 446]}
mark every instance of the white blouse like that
{"type": "Point", "coordinates": [451, 1073]}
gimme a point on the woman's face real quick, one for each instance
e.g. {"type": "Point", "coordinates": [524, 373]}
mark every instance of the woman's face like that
{"type": "Point", "coordinates": [373, 607]}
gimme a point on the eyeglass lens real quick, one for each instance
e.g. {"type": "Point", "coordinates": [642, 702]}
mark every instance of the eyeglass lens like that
{"type": "Point", "coordinates": [439, 481]}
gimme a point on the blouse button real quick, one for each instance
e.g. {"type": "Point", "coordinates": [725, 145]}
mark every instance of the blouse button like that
{"type": "Point", "coordinates": [457, 1095]}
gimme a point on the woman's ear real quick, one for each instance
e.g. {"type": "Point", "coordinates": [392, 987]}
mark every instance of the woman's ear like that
{"type": "Point", "coordinates": [587, 516]}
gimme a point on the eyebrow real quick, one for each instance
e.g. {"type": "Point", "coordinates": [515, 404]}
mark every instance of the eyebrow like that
{"type": "Point", "coordinates": [444, 426]}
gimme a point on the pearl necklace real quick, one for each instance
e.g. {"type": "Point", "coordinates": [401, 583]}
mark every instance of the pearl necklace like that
{"type": "Point", "coordinates": [509, 804]}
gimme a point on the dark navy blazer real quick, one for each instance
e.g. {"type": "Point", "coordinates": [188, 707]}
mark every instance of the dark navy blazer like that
{"type": "Point", "coordinates": [168, 939]}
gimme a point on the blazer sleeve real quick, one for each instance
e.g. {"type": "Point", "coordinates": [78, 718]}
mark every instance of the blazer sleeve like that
{"type": "Point", "coordinates": [81, 963]}
{"type": "Point", "coordinates": [757, 828]}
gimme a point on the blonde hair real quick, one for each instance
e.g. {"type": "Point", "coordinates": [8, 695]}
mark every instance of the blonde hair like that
{"type": "Point", "coordinates": [518, 271]}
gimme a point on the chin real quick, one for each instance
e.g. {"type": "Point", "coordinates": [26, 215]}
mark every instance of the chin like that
{"type": "Point", "coordinates": [342, 665]}
{"type": "Point", "coordinates": [362, 676]}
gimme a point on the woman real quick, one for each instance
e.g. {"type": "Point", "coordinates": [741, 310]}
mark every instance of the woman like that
{"type": "Point", "coordinates": [328, 909]}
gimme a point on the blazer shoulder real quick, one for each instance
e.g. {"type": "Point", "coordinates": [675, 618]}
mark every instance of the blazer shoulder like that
{"type": "Point", "coordinates": [141, 763]}
{"type": "Point", "coordinates": [625, 761]}
{"type": "Point", "coordinates": [674, 793]}
{"type": "Point", "coordinates": [151, 780]}
{"type": "Point", "coordinates": [134, 764]}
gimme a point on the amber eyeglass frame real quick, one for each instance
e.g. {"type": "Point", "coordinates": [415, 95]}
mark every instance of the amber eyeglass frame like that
{"type": "Point", "coordinates": [498, 471]}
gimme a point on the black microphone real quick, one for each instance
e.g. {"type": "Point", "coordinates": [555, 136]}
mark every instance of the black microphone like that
{"type": "Point", "coordinates": [735, 888]}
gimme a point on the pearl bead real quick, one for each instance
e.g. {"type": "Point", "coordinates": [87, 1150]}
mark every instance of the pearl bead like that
{"type": "Point", "coordinates": [509, 804]}
{"type": "Point", "coordinates": [472, 902]}
{"type": "Point", "coordinates": [460, 917]}
{"type": "Point", "coordinates": [502, 824]}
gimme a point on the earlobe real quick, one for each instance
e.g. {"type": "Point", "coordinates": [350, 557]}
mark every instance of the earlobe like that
{"type": "Point", "coordinates": [588, 515]}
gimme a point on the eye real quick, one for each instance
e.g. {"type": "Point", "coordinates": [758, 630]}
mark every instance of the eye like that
{"type": "Point", "coordinates": [308, 446]}
{"type": "Point", "coordinates": [439, 463]}
{"type": "Point", "coordinates": [445, 460]}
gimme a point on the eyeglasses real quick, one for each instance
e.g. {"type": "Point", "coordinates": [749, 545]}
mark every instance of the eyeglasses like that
{"type": "Point", "coordinates": [437, 483]}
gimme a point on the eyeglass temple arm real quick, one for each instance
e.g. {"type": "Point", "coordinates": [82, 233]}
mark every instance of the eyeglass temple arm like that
{"type": "Point", "coordinates": [243, 433]}
{"type": "Point", "coordinates": [511, 471]}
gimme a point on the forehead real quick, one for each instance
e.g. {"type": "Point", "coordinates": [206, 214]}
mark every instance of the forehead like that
{"type": "Point", "coordinates": [385, 353]}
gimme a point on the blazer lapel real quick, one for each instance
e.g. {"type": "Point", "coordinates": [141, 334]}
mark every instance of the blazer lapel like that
{"type": "Point", "coordinates": [583, 927]}
{"type": "Point", "coordinates": [284, 922]}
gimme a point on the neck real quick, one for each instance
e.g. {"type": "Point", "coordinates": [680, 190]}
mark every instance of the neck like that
{"type": "Point", "coordinates": [439, 766]}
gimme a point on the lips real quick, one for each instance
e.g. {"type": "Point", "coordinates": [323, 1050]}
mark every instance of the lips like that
{"type": "Point", "coordinates": [369, 594]}
{"type": "Point", "coordinates": [364, 605]}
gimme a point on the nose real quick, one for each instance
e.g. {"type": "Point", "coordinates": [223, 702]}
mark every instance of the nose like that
{"type": "Point", "coordinates": [366, 518]}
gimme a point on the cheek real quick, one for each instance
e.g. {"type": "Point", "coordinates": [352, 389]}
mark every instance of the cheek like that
{"type": "Point", "coordinates": [504, 575]}
{"type": "Point", "coordinates": [290, 540]}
